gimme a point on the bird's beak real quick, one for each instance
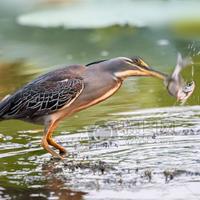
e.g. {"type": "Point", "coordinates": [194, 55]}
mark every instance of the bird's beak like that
{"type": "Point", "coordinates": [146, 70]}
{"type": "Point", "coordinates": [151, 72]}
{"type": "Point", "coordinates": [143, 70]}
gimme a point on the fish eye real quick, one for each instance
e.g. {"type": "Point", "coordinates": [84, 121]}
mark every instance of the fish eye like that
{"type": "Point", "coordinates": [189, 84]}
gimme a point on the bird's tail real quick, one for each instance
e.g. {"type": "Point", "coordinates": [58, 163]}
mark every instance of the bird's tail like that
{"type": "Point", "coordinates": [3, 107]}
{"type": "Point", "coordinates": [1, 111]}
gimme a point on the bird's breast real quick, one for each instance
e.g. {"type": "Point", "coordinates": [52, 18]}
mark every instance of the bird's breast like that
{"type": "Point", "coordinates": [98, 96]}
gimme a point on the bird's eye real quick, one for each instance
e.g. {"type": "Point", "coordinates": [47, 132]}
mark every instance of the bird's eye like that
{"type": "Point", "coordinates": [136, 60]}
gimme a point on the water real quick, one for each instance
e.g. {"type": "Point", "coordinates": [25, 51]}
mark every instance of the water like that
{"type": "Point", "coordinates": [139, 144]}
{"type": "Point", "coordinates": [152, 151]}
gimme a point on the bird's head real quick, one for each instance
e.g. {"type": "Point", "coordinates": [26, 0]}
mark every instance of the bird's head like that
{"type": "Point", "coordinates": [136, 66]}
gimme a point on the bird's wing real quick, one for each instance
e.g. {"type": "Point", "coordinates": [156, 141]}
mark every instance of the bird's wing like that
{"type": "Point", "coordinates": [44, 97]}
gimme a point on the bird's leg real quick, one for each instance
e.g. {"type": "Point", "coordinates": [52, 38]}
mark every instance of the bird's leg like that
{"type": "Point", "coordinates": [45, 145]}
{"type": "Point", "coordinates": [48, 131]}
{"type": "Point", "coordinates": [62, 150]}
{"type": "Point", "coordinates": [53, 143]}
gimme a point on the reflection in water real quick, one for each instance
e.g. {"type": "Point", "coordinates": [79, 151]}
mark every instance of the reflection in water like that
{"type": "Point", "coordinates": [56, 184]}
{"type": "Point", "coordinates": [52, 191]}
{"type": "Point", "coordinates": [53, 187]}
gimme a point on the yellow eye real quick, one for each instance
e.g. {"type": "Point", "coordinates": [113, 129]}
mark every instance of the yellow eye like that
{"type": "Point", "coordinates": [136, 60]}
{"type": "Point", "coordinates": [139, 62]}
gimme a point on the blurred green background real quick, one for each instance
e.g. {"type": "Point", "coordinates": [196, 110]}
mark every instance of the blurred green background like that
{"type": "Point", "coordinates": [38, 35]}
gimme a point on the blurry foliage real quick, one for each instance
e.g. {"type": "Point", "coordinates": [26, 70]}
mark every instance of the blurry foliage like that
{"type": "Point", "coordinates": [188, 29]}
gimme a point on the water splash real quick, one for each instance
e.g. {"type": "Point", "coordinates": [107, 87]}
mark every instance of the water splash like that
{"type": "Point", "coordinates": [194, 48]}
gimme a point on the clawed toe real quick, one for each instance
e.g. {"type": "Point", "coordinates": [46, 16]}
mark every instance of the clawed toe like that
{"type": "Point", "coordinates": [63, 153]}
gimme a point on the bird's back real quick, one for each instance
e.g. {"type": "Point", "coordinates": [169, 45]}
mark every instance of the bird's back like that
{"type": "Point", "coordinates": [44, 95]}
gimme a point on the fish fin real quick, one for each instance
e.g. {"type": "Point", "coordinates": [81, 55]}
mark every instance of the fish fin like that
{"type": "Point", "coordinates": [183, 62]}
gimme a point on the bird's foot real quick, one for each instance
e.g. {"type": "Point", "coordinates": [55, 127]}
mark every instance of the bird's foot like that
{"type": "Point", "coordinates": [63, 153]}
{"type": "Point", "coordinates": [59, 157]}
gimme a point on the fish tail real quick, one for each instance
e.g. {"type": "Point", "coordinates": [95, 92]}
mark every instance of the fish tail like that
{"type": "Point", "coordinates": [183, 62]}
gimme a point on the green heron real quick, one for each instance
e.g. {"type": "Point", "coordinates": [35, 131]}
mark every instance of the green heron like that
{"type": "Point", "coordinates": [62, 92]}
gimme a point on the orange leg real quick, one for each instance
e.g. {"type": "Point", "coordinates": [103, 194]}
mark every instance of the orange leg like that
{"type": "Point", "coordinates": [47, 140]}
{"type": "Point", "coordinates": [52, 142]}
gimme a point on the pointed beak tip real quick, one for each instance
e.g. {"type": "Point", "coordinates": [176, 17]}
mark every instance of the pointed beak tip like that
{"type": "Point", "coordinates": [152, 72]}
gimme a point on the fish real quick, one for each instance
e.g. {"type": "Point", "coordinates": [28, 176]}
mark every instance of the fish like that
{"type": "Point", "coordinates": [175, 83]}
